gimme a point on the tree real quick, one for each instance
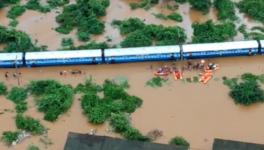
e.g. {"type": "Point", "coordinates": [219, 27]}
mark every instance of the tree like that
{"type": "Point", "coordinates": [253, 8]}
{"type": "Point", "coordinates": [201, 5]}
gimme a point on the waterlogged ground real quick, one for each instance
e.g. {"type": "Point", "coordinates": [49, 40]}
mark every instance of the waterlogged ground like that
{"type": "Point", "coordinates": [41, 26]}
{"type": "Point", "coordinates": [195, 111]}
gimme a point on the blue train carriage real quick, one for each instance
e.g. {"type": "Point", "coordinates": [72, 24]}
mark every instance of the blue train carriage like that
{"type": "Point", "coordinates": [224, 49]}
{"type": "Point", "coordinates": [262, 47]}
{"type": "Point", "coordinates": [11, 60]}
{"type": "Point", "coordinates": [140, 54]}
{"type": "Point", "coordinates": [54, 58]}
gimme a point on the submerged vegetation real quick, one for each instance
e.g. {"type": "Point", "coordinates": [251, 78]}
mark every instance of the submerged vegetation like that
{"type": "Point", "coordinates": [52, 98]}
{"type": "Point", "coordinates": [113, 105]}
{"type": "Point", "coordinates": [156, 82]}
{"type": "Point", "coordinates": [210, 32]}
{"type": "Point", "coordinates": [146, 4]}
{"type": "Point", "coordinates": [179, 141]}
{"type": "Point", "coordinates": [226, 9]}
{"type": "Point", "coordinates": [246, 90]}
{"type": "Point", "coordinates": [253, 8]}
{"type": "Point", "coordinates": [139, 34]}
{"type": "Point", "coordinates": [18, 96]}
{"type": "Point", "coordinates": [201, 5]}
{"type": "Point", "coordinates": [17, 41]}
{"type": "Point", "coordinates": [9, 137]}
{"type": "Point", "coordinates": [29, 124]}
{"type": "Point", "coordinates": [3, 88]}
{"type": "Point", "coordinates": [84, 15]}
{"type": "Point", "coordinates": [35, 5]}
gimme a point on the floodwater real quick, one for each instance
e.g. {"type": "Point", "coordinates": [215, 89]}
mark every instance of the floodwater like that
{"type": "Point", "coordinates": [41, 26]}
{"type": "Point", "coordinates": [195, 111]}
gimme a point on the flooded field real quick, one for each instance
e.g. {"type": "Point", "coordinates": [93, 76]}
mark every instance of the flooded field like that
{"type": "Point", "coordinates": [41, 26]}
{"type": "Point", "coordinates": [195, 111]}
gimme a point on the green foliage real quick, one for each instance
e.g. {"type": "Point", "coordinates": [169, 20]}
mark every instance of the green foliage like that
{"type": "Point", "coordinates": [67, 43]}
{"type": "Point", "coordinates": [139, 34]}
{"type": "Point", "coordinates": [179, 141]}
{"type": "Point", "coordinates": [175, 16]}
{"type": "Point", "coordinates": [13, 23]}
{"type": "Point", "coordinates": [181, 1]}
{"type": "Point", "coordinates": [21, 107]}
{"type": "Point", "coordinates": [8, 137]}
{"type": "Point", "coordinates": [92, 45]}
{"type": "Point", "coordinates": [29, 124]}
{"type": "Point", "coordinates": [146, 4]}
{"type": "Point", "coordinates": [88, 86]}
{"type": "Point", "coordinates": [16, 11]}
{"type": "Point", "coordinates": [3, 88]}
{"type": "Point", "coordinates": [5, 3]}
{"type": "Point", "coordinates": [52, 98]}
{"type": "Point", "coordinates": [226, 9]}
{"type": "Point", "coordinates": [32, 147]}
{"type": "Point", "coordinates": [242, 29]}
{"type": "Point", "coordinates": [201, 5]}
{"type": "Point", "coordinates": [35, 5]}
{"type": "Point", "coordinates": [156, 82]}
{"type": "Point", "coordinates": [247, 91]}
{"type": "Point", "coordinates": [57, 3]}
{"type": "Point", "coordinates": [160, 16]}
{"type": "Point", "coordinates": [16, 41]}
{"type": "Point", "coordinates": [17, 94]}
{"type": "Point", "coordinates": [84, 15]}
{"type": "Point", "coordinates": [253, 8]}
{"type": "Point", "coordinates": [210, 32]}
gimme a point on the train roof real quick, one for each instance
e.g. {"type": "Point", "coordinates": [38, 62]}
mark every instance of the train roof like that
{"type": "Point", "coordinates": [11, 56]}
{"type": "Point", "coordinates": [63, 54]}
{"type": "Point", "coordinates": [219, 46]}
{"type": "Point", "coordinates": [262, 43]}
{"type": "Point", "coordinates": [142, 50]}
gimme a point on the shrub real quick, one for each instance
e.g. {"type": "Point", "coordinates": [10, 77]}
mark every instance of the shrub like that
{"type": "Point", "coordinates": [98, 114]}
{"type": "Point", "coordinates": [16, 11]}
{"type": "Point", "coordinates": [201, 5]}
{"type": "Point", "coordinates": [179, 141]}
{"type": "Point", "coordinates": [113, 91]}
{"type": "Point", "coordinates": [57, 3]}
{"type": "Point", "coordinates": [136, 39]}
{"type": "Point", "coordinates": [88, 86]}
{"type": "Point", "coordinates": [35, 5]}
{"type": "Point", "coordinates": [156, 82]}
{"type": "Point", "coordinates": [53, 98]}
{"type": "Point", "coordinates": [3, 88]}
{"type": "Point", "coordinates": [119, 122]}
{"type": "Point", "coordinates": [84, 15]}
{"type": "Point", "coordinates": [32, 147]}
{"type": "Point", "coordinates": [130, 25]}
{"type": "Point", "coordinates": [17, 94]}
{"type": "Point", "coordinates": [9, 137]}
{"type": "Point", "coordinates": [93, 45]}
{"type": "Point", "coordinates": [67, 42]}
{"type": "Point", "coordinates": [21, 107]}
{"type": "Point", "coordinates": [181, 1]}
{"type": "Point", "coordinates": [29, 124]}
{"type": "Point", "coordinates": [134, 134]}
{"type": "Point", "coordinates": [226, 9]}
{"type": "Point", "coordinates": [146, 4]}
{"type": "Point", "coordinates": [253, 8]}
{"type": "Point", "coordinates": [175, 16]}
{"type": "Point", "coordinates": [210, 32]}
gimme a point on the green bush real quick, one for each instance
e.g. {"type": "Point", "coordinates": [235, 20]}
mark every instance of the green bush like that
{"type": "Point", "coordinates": [181, 1]}
{"type": "Point", "coordinates": [35, 5]}
{"type": "Point", "coordinates": [210, 32]}
{"type": "Point", "coordinates": [130, 25]}
{"type": "Point", "coordinates": [92, 45]}
{"type": "Point", "coordinates": [52, 98]}
{"type": "Point", "coordinates": [67, 42]}
{"type": "Point", "coordinates": [84, 15]}
{"type": "Point", "coordinates": [5, 3]}
{"type": "Point", "coordinates": [226, 9]}
{"type": "Point", "coordinates": [57, 3]}
{"type": "Point", "coordinates": [119, 122]}
{"type": "Point", "coordinates": [16, 41]}
{"type": "Point", "coordinates": [21, 107]}
{"type": "Point", "coordinates": [179, 141]}
{"type": "Point", "coordinates": [16, 11]}
{"type": "Point", "coordinates": [156, 82]}
{"type": "Point", "coordinates": [253, 8]}
{"type": "Point", "coordinates": [3, 88]}
{"type": "Point", "coordinates": [17, 94]}
{"type": "Point", "coordinates": [175, 16]}
{"type": "Point", "coordinates": [29, 124]}
{"type": "Point", "coordinates": [8, 137]}
{"type": "Point", "coordinates": [201, 5]}
{"type": "Point", "coordinates": [88, 86]}
{"type": "Point", "coordinates": [98, 114]}
{"type": "Point", "coordinates": [113, 91]}
{"type": "Point", "coordinates": [136, 39]}
{"type": "Point", "coordinates": [32, 147]}
{"type": "Point", "coordinates": [146, 4]}
{"type": "Point", "coordinates": [134, 134]}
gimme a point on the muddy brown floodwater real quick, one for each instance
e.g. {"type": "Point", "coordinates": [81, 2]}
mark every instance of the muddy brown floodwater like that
{"type": "Point", "coordinates": [195, 111]}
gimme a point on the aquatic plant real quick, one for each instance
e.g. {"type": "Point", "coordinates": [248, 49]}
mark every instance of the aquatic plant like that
{"type": "Point", "coordinates": [52, 97]}
{"type": "Point", "coordinates": [29, 124]}
{"type": "Point", "coordinates": [179, 141]}
{"type": "Point", "coordinates": [8, 137]}
{"type": "Point", "coordinates": [253, 8]}
{"type": "Point", "coordinates": [84, 15]}
{"type": "Point", "coordinates": [226, 9]}
{"type": "Point", "coordinates": [156, 82]}
{"type": "Point", "coordinates": [211, 32]}
{"type": "Point", "coordinates": [3, 88]}
{"type": "Point", "coordinates": [201, 5]}
{"type": "Point", "coordinates": [139, 34]}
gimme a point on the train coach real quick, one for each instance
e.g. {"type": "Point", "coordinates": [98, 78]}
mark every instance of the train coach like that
{"type": "Point", "coordinates": [224, 49]}
{"type": "Point", "coordinates": [262, 46]}
{"type": "Point", "coordinates": [55, 58]}
{"type": "Point", "coordinates": [140, 54]}
{"type": "Point", "coordinates": [11, 60]}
